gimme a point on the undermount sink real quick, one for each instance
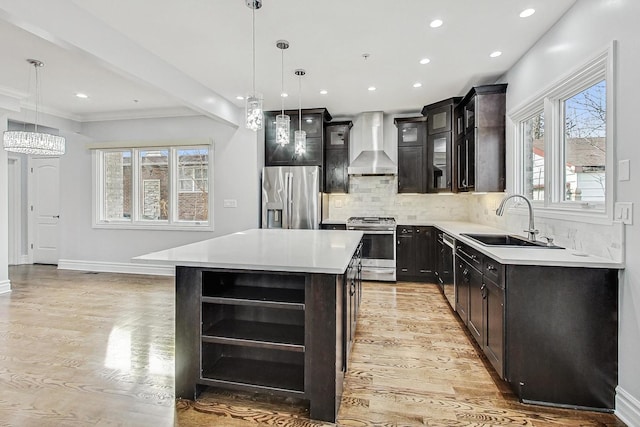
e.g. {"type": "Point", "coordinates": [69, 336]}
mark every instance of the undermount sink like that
{"type": "Point", "coordinates": [508, 240]}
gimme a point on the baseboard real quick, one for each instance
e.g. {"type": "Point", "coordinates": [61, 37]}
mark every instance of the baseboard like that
{"type": "Point", "coordinates": [116, 267]}
{"type": "Point", "coordinates": [5, 286]}
{"type": "Point", "coordinates": [627, 408]}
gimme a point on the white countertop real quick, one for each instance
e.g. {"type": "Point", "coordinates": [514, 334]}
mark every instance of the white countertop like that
{"type": "Point", "coordinates": [307, 251]}
{"type": "Point", "coordinates": [522, 255]}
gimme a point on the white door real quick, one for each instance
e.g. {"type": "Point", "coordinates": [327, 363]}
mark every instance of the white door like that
{"type": "Point", "coordinates": [44, 198]}
{"type": "Point", "coordinates": [14, 211]}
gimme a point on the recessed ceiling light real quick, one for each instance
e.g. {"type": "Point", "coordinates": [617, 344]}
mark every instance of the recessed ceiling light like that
{"type": "Point", "coordinates": [323, 92]}
{"type": "Point", "coordinates": [240, 97]}
{"type": "Point", "coordinates": [417, 84]}
{"type": "Point", "coordinates": [495, 54]}
{"type": "Point", "coordinates": [527, 12]}
{"type": "Point", "coordinates": [371, 88]}
{"type": "Point", "coordinates": [436, 23]}
{"type": "Point", "coordinates": [309, 120]}
{"type": "Point", "coordinates": [425, 61]}
{"type": "Point", "coordinates": [284, 94]}
{"type": "Point", "coordinates": [82, 95]}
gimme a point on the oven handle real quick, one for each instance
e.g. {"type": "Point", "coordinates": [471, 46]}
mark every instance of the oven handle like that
{"type": "Point", "coordinates": [373, 231]}
{"type": "Point", "coordinates": [378, 270]}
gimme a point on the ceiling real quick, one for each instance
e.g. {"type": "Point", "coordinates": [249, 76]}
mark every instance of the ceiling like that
{"type": "Point", "coordinates": [137, 58]}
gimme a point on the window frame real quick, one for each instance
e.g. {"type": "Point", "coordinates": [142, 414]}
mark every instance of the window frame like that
{"type": "Point", "coordinates": [136, 222]}
{"type": "Point", "coordinates": [550, 102]}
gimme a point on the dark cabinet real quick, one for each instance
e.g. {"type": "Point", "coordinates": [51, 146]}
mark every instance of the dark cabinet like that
{"type": "Point", "coordinates": [352, 298]}
{"type": "Point", "coordinates": [336, 157]}
{"type": "Point", "coordinates": [493, 295]}
{"type": "Point", "coordinates": [313, 122]}
{"type": "Point", "coordinates": [468, 288]}
{"type": "Point", "coordinates": [415, 253]}
{"type": "Point", "coordinates": [405, 253]}
{"type": "Point", "coordinates": [543, 327]}
{"type": "Point", "coordinates": [412, 154]}
{"type": "Point", "coordinates": [440, 126]}
{"type": "Point", "coordinates": [481, 302]}
{"type": "Point", "coordinates": [439, 165]}
{"type": "Point", "coordinates": [411, 170]}
{"type": "Point", "coordinates": [479, 129]}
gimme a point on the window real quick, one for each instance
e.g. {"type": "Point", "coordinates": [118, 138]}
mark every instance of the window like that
{"type": "Point", "coordinates": [163, 187]}
{"type": "Point", "coordinates": [563, 142]}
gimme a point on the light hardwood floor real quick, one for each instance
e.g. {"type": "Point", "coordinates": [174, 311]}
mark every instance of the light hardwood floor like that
{"type": "Point", "coordinates": [82, 349]}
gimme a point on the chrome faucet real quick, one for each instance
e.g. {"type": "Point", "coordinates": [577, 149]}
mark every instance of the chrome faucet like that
{"type": "Point", "coordinates": [532, 229]}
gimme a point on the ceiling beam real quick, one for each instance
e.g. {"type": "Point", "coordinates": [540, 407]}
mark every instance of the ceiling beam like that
{"type": "Point", "coordinates": [67, 25]}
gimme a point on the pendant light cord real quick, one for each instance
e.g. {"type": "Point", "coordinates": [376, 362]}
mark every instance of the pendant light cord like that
{"type": "Point", "coordinates": [300, 102]}
{"type": "Point", "coordinates": [253, 44]}
{"type": "Point", "coordinates": [37, 96]}
{"type": "Point", "coordinates": [282, 81]}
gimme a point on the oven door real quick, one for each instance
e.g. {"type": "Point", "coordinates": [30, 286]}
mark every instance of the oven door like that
{"type": "Point", "coordinates": [378, 255]}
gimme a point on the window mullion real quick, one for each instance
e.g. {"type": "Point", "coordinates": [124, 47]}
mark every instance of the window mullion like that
{"type": "Point", "coordinates": [173, 182]}
{"type": "Point", "coordinates": [135, 183]}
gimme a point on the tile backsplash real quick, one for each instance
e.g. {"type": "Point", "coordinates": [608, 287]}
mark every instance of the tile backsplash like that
{"type": "Point", "coordinates": [377, 196]}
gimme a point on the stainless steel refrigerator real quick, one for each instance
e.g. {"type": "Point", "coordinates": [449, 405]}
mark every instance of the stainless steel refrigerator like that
{"type": "Point", "coordinates": [291, 197]}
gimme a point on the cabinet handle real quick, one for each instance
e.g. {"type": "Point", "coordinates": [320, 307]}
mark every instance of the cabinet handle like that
{"type": "Point", "coordinates": [490, 267]}
{"type": "Point", "coordinates": [353, 289]}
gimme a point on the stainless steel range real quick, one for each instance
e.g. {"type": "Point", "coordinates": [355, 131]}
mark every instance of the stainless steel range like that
{"type": "Point", "coordinates": [378, 246]}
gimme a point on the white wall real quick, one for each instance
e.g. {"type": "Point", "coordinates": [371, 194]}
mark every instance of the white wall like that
{"type": "Point", "coordinates": [586, 29]}
{"type": "Point", "coordinates": [235, 177]}
{"type": "Point", "coordinates": [5, 285]}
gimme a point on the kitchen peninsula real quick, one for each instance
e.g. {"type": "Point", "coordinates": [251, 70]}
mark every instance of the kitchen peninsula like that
{"type": "Point", "coordinates": [268, 311]}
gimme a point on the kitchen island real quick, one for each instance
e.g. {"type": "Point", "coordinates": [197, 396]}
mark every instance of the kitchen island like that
{"type": "Point", "coordinates": [266, 311]}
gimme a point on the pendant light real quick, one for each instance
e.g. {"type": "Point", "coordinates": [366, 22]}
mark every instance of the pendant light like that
{"type": "Point", "coordinates": [300, 135]}
{"type": "Point", "coordinates": [36, 143]}
{"type": "Point", "coordinates": [282, 120]}
{"type": "Point", "coordinates": [253, 105]}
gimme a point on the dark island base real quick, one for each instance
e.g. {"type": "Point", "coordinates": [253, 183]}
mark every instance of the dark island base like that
{"type": "Point", "coordinates": [269, 332]}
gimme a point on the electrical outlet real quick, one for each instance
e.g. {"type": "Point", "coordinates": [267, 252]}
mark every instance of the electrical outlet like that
{"type": "Point", "coordinates": [338, 204]}
{"type": "Point", "coordinates": [230, 203]}
{"type": "Point", "coordinates": [623, 212]}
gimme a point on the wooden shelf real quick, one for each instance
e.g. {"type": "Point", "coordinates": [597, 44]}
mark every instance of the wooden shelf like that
{"type": "Point", "coordinates": [256, 334]}
{"type": "Point", "coordinates": [259, 374]}
{"type": "Point", "coordinates": [257, 296]}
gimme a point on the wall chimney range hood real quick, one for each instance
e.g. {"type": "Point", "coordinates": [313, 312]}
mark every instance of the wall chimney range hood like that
{"type": "Point", "coordinates": [367, 143]}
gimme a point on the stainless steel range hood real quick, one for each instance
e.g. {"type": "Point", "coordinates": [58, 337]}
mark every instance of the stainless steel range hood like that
{"type": "Point", "coordinates": [368, 146]}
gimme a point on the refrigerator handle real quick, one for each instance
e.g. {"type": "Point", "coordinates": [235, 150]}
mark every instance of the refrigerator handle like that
{"type": "Point", "coordinates": [289, 198]}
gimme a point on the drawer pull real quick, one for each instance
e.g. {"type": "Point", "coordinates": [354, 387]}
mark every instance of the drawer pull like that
{"type": "Point", "coordinates": [490, 267]}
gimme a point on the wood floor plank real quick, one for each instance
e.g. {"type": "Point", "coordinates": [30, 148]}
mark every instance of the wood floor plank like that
{"type": "Point", "coordinates": [80, 349]}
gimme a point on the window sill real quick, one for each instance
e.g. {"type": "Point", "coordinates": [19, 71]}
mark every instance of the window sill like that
{"type": "Point", "coordinates": [588, 216]}
{"type": "Point", "coordinates": [155, 227]}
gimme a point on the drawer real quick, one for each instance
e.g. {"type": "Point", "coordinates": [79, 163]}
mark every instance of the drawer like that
{"type": "Point", "coordinates": [494, 271]}
{"type": "Point", "coordinates": [469, 254]}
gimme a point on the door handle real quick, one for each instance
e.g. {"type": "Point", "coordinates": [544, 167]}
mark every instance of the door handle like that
{"type": "Point", "coordinates": [56, 216]}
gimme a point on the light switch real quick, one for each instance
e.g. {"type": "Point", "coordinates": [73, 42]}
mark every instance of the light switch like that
{"type": "Point", "coordinates": [230, 203]}
{"type": "Point", "coordinates": [623, 212]}
{"type": "Point", "coordinates": [624, 172]}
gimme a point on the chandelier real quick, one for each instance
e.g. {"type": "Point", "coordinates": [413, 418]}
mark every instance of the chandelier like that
{"type": "Point", "coordinates": [253, 105]}
{"type": "Point", "coordinates": [36, 143]}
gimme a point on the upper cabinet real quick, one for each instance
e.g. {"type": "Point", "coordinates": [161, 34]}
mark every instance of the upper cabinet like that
{"type": "Point", "coordinates": [336, 157]}
{"type": "Point", "coordinates": [479, 129]}
{"type": "Point", "coordinates": [313, 123]}
{"type": "Point", "coordinates": [440, 125]}
{"type": "Point", "coordinates": [412, 154]}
